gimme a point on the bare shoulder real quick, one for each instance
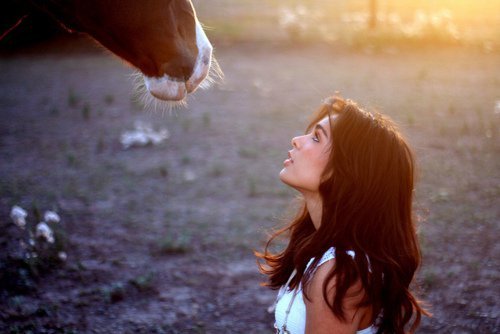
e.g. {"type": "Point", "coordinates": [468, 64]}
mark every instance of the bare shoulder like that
{"type": "Point", "coordinates": [319, 317]}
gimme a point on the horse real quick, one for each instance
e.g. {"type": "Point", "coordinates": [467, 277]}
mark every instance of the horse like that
{"type": "Point", "coordinates": [163, 39]}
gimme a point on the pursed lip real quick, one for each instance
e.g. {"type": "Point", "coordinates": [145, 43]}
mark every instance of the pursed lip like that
{"type": "Point", "coordinates": [289, 160]}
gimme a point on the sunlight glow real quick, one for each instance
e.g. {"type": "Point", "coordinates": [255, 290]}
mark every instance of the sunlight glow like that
{"type": "Point", "coordinates": [425, 22]}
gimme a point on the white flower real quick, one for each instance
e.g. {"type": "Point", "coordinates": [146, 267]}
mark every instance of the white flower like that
{"type": "Point", "coordinates": [62, 256]}
{"type": "Point", "coordinates": [43, 230]}
{"type": "Point", "coordinates": [142, 135]}
{"type": "Point", "coordinates": [31, 255]}
{"type": "Point", "coordinates": [158, 136]}
{"type": "Point", "coordinates": [51, 217]}
{"type": "Point", "coordinates": [18, 215]}
{"type": "Point", "coordinates": [131, 138]}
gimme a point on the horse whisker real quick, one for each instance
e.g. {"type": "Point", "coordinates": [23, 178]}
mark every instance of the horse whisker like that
{"type": "Point", "coordinates": [215, 75]}
{"type": "Point", "coordinates": [150, 103]}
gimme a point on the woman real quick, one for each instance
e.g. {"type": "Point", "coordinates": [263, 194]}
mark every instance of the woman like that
{"type": "Point", "coordinates": [353, 249]}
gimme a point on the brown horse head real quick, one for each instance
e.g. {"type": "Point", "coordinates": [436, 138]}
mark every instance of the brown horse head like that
{"type": "Point", "coordinates": [161, 38]}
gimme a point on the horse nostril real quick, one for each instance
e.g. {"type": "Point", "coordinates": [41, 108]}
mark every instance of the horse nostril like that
{"type": "Point", "coordinates": [186, 72]}
{"type": "Point", "coordinates": [179, 69]}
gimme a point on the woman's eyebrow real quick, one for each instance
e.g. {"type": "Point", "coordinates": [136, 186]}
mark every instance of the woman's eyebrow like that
{"type": "Point", "coordinates": [320, 127]}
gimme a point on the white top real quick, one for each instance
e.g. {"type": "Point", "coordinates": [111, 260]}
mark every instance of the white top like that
{"type": "Point", "coordinates": [296, 322]}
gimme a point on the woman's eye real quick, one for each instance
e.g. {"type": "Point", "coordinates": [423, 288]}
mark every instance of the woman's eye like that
{"type": "Point", "coordinates": [315, 137]}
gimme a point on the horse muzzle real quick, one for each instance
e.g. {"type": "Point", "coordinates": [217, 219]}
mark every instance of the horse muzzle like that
{"type": "Point", "coordinates": [172, 89]}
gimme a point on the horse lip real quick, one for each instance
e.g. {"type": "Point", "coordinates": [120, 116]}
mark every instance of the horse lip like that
{"type": "Point", "coordinates": [201, 68]}
{"type": "Point", "coordinates": [166, 88]}
{"type": "Point", "coordinates": [193, 83]}
{"type": "Point", "coordinates": [165, 97]}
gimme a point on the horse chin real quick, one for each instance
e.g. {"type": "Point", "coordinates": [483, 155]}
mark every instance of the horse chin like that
{"type": "Point", "coordinates": [166, 88]}
{"type": "Point", "coordinates": [158, 94]}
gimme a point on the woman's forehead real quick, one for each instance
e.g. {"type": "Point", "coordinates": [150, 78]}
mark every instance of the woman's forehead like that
{"type": "Point", "coordinates": [326, 121]}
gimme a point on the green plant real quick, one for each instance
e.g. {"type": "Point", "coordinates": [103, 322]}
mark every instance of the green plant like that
{"type": "Point", "coordinates": [185, 160]}
{"type": "Point", "coordinates": [252, 187]}
{"type": "Point", "coordinates": [217, 170]}
{"type": "Point", "coordinates": [144, 282]}
{"type": "Point", "coordinates": [429, 279]}
{"type": "Point", "coordinates": [40, 248]}
{"type": "Point", "coordinates": [465, 130]}
{"type": "Point", "coordinates": [71, 159]}
{"type": "Point", "coordinates": [137, 103]}
{"type": "Point", "coordinates": [410, 119]}
{"type": "Point", "coordinates": [109, 98]}
{"type": "Point", "coordinates": [451, 109]}
{"type": "Point", "coordinates": [100, 144]}
{"type": "Point", "coordinates": [172, 245]}
{"type": "Point", "coordinates": [73, 98]}
{"type": "Point", "coordinates": [163, 171]}
{"type": "Point", "coordinates": [249, 153]}
{"type": "Point", "coordinates": [186, 124]}
{"type": "Point", "coordinates": [86, 111]}
{"type": "Point", "coordinates": [206, 119]}
{"type": "Point", "coordinates": [114, 293]}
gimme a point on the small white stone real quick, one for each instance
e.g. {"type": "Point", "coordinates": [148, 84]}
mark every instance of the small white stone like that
{"type": "Point", "coordinates": [189, 176]}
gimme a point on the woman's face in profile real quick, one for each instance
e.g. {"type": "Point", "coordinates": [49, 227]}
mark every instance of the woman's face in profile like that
{"type": "Point", "coordinates": [308, 158]}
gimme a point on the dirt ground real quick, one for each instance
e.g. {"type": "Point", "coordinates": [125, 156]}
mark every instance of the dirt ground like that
{"type": "Point", "coordinates": [159, 239]}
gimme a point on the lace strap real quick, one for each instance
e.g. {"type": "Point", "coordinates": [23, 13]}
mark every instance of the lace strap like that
{"type": "Point", "coordinates": [327, 256]}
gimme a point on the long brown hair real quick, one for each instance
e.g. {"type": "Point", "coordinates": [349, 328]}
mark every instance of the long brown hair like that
{"type": "Point", "coordinates": [367, 195]}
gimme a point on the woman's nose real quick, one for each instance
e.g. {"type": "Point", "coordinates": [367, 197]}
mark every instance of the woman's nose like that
{"type": "Point", "coordinates": [295, 142]}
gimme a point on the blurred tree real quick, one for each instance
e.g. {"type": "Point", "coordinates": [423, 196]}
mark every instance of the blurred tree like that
{"type": "Point", "coordinates": [372, 22]}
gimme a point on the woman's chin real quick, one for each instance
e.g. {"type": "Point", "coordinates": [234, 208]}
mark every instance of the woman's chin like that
{"type": "Point", "coordinates": [282, 174]}
{"type": "Point", "coordinates": [284, 177]}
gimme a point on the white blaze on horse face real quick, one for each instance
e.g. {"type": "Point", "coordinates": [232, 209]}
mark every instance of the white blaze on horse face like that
{"type": "Point", "coordinates": [203, 60]}
{"type": "Point", "coordinates": [166, 88]}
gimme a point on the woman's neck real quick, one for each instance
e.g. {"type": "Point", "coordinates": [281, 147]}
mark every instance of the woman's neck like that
{"type": "Point", "coordinates": [314, 206]}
